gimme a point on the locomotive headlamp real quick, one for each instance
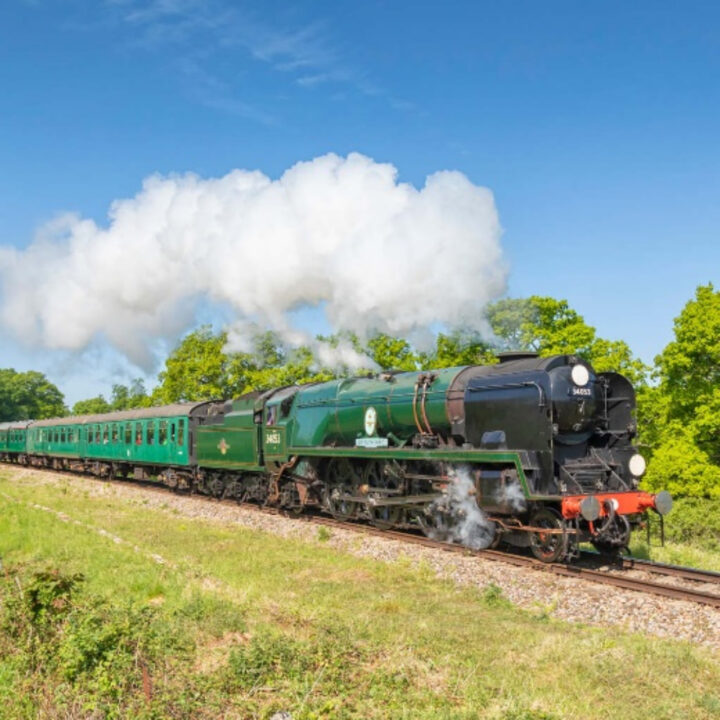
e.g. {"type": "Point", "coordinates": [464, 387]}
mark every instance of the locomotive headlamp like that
{"type": "Point", "coordinates": [637, 465]}
{"type": "Point", "coordinates": [580, 375]}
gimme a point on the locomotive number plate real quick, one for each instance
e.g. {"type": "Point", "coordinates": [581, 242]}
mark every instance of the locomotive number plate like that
{"type": "Point", "coordinates": [371, 442]}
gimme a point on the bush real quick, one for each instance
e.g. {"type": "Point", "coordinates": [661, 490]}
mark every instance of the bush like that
{"type": "Point", "coordinates": [693, 521]}
{"type": "Point", "coordinates": [682, 468]}
{"type": "Point", "coordinates": [90, 650]}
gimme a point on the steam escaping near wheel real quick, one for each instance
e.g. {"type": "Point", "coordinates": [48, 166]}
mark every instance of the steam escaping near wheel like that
{"type": "Point", "coordinates": [456, 517]}
{"type": "Point", "coordinates": [511, 494]}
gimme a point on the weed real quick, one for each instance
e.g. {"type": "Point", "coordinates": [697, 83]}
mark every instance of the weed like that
{"type": "Point", "coordinates": [492, 596]}
{"type": "Point", "coordinates": [323, 534]}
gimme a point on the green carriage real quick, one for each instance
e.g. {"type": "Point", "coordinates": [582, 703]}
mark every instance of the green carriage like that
{"type": "Point", "coordinates": [143, 442]}
{"type": "Point", "coordinates": [13, 437]}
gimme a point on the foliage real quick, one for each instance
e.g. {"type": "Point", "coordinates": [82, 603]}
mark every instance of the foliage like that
{"type": "Point", "coordinates": [197, 369]}
{"type": "Point", "coordinates": [681, 467]}
{"type": "Point", "coordinates": [694, 522]}
{"type": "Point", "coordinates": [92, 406]}
{"type": "Point", "coordinates": [550, 326]}
{"type": "Point", "coordinates": [682, 413]}
{"type": "Point", "coordinates": [392, 353]}
{"type": "Point", "coordinates": [202, 368]}
{"type": "Point", "coordinates": [689, 367]}
{"type": "Point", "coordinates": [124, 397]}
{"type": "Point", "coordinates": [28, 395]}
{"type": "Point", "coordinates": [459, 347]}
{"type": "Point", "coordinates": [89, 646]}
{"type": "Point", "coordinates": [128, 397]}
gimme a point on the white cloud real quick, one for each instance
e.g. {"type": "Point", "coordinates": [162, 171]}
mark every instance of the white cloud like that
{"type": "Point", "coordinates": [380, 255]}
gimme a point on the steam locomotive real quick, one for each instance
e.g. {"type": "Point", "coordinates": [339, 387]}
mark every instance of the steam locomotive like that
{"type": "Point", "coordinates": [533, 451]}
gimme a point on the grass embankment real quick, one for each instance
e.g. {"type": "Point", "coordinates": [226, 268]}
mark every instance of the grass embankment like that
{"type": "Point", "coordinates": [692, 535]}
{"type": "Point", "coordinates": [214, 621]}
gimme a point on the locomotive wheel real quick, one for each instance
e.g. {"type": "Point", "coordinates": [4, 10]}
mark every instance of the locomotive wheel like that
{"type": "Point", "coordinates": [617, 538]}
{"type": "Point", "coordinates": [548, 546]}
{"type": "Point", "coordinates": [341, 477]}
{"type": "Point", "coordinates": [434, 525]}
{"type": "Point", "coordinates": [384, 516]}
{"type": "Point", "coordinates": [216, 486]}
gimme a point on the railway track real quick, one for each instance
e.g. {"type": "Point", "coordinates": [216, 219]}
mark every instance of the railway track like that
{"type": "Point", "coordinates": [698, 586]}
{"type": "Point", "coordinates": [615, 576]}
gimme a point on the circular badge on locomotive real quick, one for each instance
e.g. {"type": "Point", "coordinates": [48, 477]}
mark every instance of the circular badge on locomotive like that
{"type": "Point", "coordinates": [370, 421]}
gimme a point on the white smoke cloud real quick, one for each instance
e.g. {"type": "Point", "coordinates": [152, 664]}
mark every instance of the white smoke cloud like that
{"type": "Point", "coordinates": [378, 254]}
{"type": "Point", "coordinates": [457, 517]}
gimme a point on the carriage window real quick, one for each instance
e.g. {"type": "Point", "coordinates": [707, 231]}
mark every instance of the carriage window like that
{"type": "Point", "coordinates": [56, 436]}
{"type": "Point", "coordinates": [128, 433]}
{"type": "Point", "coordinates": [181, 432]}
{"type": "Point", "coordinates": [71, 435]}
{"type": "Point", "coordinates": [98, 437]}
{"type": "Point", "coordinates": [162, 433]}
{"type": "Point", "coordinates": [62, 435]}
{"type": "Point", "coordinates": [138, 433]}
{"type": "Point", "coordinates": [150, 435]}
{"type": "Point", "coordinates": [114, 433]}
{"type": "Point", "coordinates": [172, 432]}
{"type": "Point", "coordinates": [106, 434]}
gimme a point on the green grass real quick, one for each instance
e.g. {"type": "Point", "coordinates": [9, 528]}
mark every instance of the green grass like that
{"type": "Point", "coordinates": [692, 535]}
{"type": "Point", "coordinates": [675, 553]}
{"type": "Point", "coordinates": [242, 624]}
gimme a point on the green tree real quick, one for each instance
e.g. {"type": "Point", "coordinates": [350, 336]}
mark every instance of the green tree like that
{"type": "Point", "coordinates": [683, 411]}
{"type": "Point", "coordinates": [550, 326]}
{"type": "Point", "coordinates": [689, 367]}
{"type": "Point", "coordinates": [126, 397]}
{"type": "Point", "coordinates": [28, 395]}
{"type": "Point", "coordinates": [459, 347]}
{"type": "Point", "coordinates": [680, 466]}
{"type": "Point", "coordinates": [91, 406]}
{"type": "Point", "coordinates": [197, 369]}
{"type": "Point", "coordinates": [200, 368]}
{"type": "Point", "coordinates": [391, 353]}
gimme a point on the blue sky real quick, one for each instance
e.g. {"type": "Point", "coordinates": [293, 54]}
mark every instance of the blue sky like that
{"type": "Point", "coordinates": [594, 124]}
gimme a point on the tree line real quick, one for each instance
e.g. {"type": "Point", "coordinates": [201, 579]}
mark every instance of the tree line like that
{"type": "Point", "coordinates": [678, 397]}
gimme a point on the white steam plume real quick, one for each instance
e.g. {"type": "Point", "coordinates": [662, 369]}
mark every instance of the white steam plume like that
{"type": "Point", "coordinates": [378, 254]}
{"type": "Point", "coordinates": [457, 516]}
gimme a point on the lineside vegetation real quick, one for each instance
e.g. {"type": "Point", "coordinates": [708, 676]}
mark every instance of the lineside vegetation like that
{"type": "Point", "coordinates": [109, 609]}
